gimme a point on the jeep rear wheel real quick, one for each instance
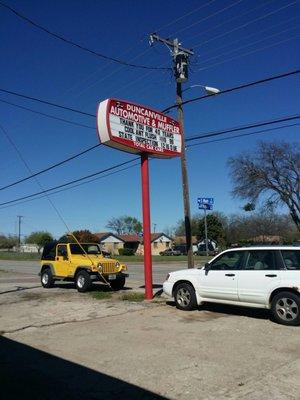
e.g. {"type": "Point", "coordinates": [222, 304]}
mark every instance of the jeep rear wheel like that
{"type": "Point", "coordinates": [285, 308]}
{"type": "Point", "coordinates": [117, 284]}
{"type": "Point", "coordinates": [83, 281]}
{"type": "Point", "coordinates": [47, 280]}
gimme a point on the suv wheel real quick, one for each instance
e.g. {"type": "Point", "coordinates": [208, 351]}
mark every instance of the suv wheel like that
{"type": "Point", "coordinates": [83, 281]}
{"type": "Point", "coordinates": [117, 284]}
{"type": "Point", "coordinates": [47, 280]}
{"type": "Point", "coordinates": [185, 297]}
{"type": "Point", "coordinates": [285, 308]}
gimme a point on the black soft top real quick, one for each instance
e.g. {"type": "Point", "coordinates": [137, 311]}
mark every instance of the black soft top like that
{"type": "Point", "coordinates": [49, 250]}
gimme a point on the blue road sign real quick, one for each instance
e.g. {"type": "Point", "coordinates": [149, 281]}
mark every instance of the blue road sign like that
{"type": "Point", "coordinates": [205, 200]}
{"type": "Point", "coordinates": [205, 206]}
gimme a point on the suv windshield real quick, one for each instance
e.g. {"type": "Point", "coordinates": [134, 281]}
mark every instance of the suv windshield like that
{"type": "Point", "coordinates": [85, 248]}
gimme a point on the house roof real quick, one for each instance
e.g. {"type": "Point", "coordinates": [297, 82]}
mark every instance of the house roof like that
{"type": "Point", "coordinates": [103, 235]}
{"type": "Point", "coordinates": [182, 239]}
{"type": "Point", "coordinates": [137, 238]}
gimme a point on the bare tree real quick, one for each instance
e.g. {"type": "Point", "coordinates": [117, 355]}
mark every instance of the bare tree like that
{"type": "Point", "coordinates": [272, 172]}
{"type": "Point", "coordinates": [125, 225]}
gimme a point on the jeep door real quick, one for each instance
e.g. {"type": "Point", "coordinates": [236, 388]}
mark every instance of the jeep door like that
{"type": "Point", "coordinates": [258, 276]}
{"type": "Point", "coordinates": [61, 263]}
{"type": "Point", "coordinates": [220, 280]}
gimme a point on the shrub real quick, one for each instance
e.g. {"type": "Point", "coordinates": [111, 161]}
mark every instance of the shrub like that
{"type": "Point", "coordinates": [126, 252]}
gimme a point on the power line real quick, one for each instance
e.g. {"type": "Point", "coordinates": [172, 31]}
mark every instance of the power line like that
{"type": "Point", "coordinates": [72, 187]}
{"type": "Point", "coordinates": [51, 167]}
{"type": "Point", "coordinates": [47, 115]}
{"type": "Point", "coordinates": [72, 43]}
{"type": "Point", "coordinates": [48, 103]}
{"type": "Point", "coordinates": [236, 88]}
{"type": "Point", "coordinates": [248, 36]}
{"type": "Point", "coordinates": [69, 183]}
{"type": "Point", "coordinates": [208, 17]}
{"type": "Point", "coordinates": [210, 134]}
{"type": "Point", "coordinates": [254, 43]}
{"type": "Point", "coordinates": [243, 127]}
{"type": "Point", "coordinates": [246, 24]}
{"type": "Point", "coordinates": [242, 135]}
{"type": "Point", "coordinates": [248, 53]}
{"type": "Point", "coordinates": [229, 20]}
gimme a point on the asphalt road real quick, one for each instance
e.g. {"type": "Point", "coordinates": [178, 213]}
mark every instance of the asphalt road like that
{"type": "Point", "coordinates": [136, 271]}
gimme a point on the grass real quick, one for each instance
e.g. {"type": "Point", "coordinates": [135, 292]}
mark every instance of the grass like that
{"type": "Point", "coordinates": [133, 296]}
{"type": "Point", "coordinates": [11, 255]}
{"type": "Point", "coordinates": [102, 295]}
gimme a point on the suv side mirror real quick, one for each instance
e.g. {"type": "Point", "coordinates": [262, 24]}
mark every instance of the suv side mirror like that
{"type": "Point", "coordinates": [207, 266]}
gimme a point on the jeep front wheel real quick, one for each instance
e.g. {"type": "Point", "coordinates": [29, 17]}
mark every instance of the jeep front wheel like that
{"type": "Point", "coordinates": [117, 284]}
{"type": "Point", "coordinates": [83, 281]}
{"type": "Point", "coordinates": [47, 280]}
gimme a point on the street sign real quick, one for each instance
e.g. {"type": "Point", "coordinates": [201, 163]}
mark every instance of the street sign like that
{"type": "Point", "coordinates": [137, 129]}
{"type": "Point", "coordinates": [205, 200]}
{"type": "Point", "coordinates": [205, 206]}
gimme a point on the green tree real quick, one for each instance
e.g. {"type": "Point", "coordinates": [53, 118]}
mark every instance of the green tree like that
{"type": "Point", "coordinates": [8, 242]}
{"type": "Point", "coordinates": [40, 238]}
{"type": "Point", "coordinates": [271, 172]}
{"type": "Point", "coordinates": [85, 236]}
{"type": "Point", "coordinates": [125, 225]}
{"type": "Point", "coordinates": [180, 227]}
{"type": "Point", "coordinates": [215, 229]}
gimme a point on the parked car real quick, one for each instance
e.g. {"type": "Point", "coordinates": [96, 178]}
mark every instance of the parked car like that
{"type": "Point", "coordinates": [260, 277]}
{"type": "Point", "coordinates": [170, 252]}
{"type": "Point", "coordinates": [80, 263]}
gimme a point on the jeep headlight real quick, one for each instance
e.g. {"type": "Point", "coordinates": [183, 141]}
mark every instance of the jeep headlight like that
{"type": "Point", "coordinates": [117, 264]}
{"type": "Point", "coordinates": [100, 267]}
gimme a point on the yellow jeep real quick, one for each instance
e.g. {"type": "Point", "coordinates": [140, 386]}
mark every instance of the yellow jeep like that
{"type": "Point", "coordinates": [80, 263]}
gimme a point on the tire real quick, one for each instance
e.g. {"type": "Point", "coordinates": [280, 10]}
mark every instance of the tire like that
{"type": "Point", "coordinates": [117, 284]}
{"type": "Point", "coordinates": [185, 297]}
{"type": "Point", "coordinates": [83, 281]}
{"type": "Point", "coordinates": [285, 308]}
{"type": "Point", "coordinates": [47, 280]}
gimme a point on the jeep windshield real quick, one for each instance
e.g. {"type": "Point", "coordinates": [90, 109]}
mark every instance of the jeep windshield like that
{"type": "Point", "coordinates": [85, 249]}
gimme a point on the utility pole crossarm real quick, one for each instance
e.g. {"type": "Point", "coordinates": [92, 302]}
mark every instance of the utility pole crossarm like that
{"type": "Point", "coordinates": [171, 43]}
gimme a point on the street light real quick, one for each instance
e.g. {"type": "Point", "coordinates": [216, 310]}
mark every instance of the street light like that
{"type": "Point", "coordinates": [210, 91]}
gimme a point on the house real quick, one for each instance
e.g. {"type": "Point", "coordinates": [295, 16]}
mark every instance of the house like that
{"type": "Point", "coordinates": [110, 242]}
{"type": "Point", "coordinates": [113, 243]}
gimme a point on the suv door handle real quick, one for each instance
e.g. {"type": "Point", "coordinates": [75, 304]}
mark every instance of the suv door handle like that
{"type": "Point", "coordinates": [271, 275]}
{"type": "Point", "coordinates": [229, 274]}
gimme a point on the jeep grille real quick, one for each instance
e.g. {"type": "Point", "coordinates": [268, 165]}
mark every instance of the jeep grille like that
{"type": "Point", "coordinates": [109, 267]}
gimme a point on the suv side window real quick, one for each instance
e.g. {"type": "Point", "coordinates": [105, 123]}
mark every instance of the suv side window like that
{"type": "Point", "coordinates": [261, 260]}
{"type": "Point", "coordinates": [291, 259]}
{"type": "Point", "coordinates": [228, 261]}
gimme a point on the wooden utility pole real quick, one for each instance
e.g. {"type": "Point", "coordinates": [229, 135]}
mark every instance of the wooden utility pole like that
{"type": "Point", "coordinates": [180, 58]}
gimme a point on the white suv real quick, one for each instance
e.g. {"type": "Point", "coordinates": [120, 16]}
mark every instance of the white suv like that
{"type": "Point", "coordinates": [263, 277]}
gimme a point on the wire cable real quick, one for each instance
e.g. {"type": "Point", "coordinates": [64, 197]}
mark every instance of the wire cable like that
{"type": "Point", "coordinates": [242, 135]}
{"type": "Point", "coordinates": [236, 88]}
{"type": "Point", "coordinates": [257, 32]}
{"type": "Point", "coordinates": [246, 24]}
{"type": "Point", "coordinates": [71, 182]}
{"type": "Point", "coordinates": [247, 53]}
{"type": "Point", "coordinates": [72, 187]}
{"type": "Point", "coordinates": [243, 127]}
{"type": "Point", "coordinates": [229, 20]}
{"type": "Point", "coordinates": [74, 44]}
{"type": "Point", "coordinates": [46, 115]}
{"type": "Point", "coordinates": [208, 17]}
{"type": "Point", "coordinates": [48, 103]}
{"type": "Point", "coordinates": [253, 43]}
{"type": "Point", "coordinates": [51, 167]}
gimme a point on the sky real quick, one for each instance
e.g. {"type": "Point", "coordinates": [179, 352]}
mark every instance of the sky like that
{"type": "Point", "coordinates": [235, 42]}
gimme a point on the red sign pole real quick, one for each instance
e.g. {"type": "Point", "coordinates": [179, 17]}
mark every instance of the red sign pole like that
{"type": "Point", "coordinates": [146, 226]}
